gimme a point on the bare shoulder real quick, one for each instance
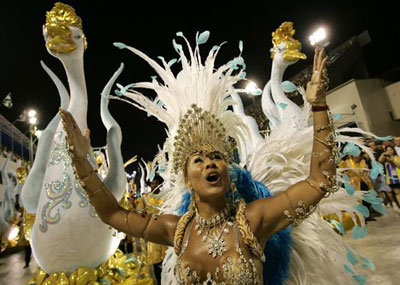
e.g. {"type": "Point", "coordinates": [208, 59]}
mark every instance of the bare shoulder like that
{"type": "Point", "coordinates": [255, 209]}
{"type": "Point", "coordinates": [170, 223]}
{"type": "Point", "coordinates": [162, 229]}
{"type": "Point", "coordinates": [256, 213]}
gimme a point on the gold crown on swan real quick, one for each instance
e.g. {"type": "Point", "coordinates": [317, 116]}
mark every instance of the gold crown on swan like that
{"type": "Point", "coordinates": [284, 34]}
{"type": "Point", "coordinates": [200, 132]}
{"type": "Point", "coordinates": [58, 21]}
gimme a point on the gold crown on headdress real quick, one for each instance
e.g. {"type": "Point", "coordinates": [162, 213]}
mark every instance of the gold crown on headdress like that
{"type": "Point", "coordinates": [285, 34]}
{"type": "Point", "coordinates": [200, 132]}
{"type": "Point", "coordinates": [60, 18]}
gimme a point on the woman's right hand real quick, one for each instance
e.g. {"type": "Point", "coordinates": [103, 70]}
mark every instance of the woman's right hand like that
{"type": "Point", "coordinates": [79, 143]}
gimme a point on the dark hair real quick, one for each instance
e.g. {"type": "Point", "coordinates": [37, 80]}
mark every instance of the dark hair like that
{"type": "Point", "coordinates": [389, 145]}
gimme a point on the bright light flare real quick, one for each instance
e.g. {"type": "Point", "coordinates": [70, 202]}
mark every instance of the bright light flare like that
{"type": "Point", "coordinates": [33, 120]}
{"type": "Point", "coordinates": [14, 231]}
{"type": "Point", "coordinates": [318, 36]}
{"type": "Point", "coordinates": [251, 87]}
{"type": "Point", "coordinates": [32, 113]}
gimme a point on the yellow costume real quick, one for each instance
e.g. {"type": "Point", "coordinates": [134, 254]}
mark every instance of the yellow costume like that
{"type": "Point", "coordinates": [357, 172]}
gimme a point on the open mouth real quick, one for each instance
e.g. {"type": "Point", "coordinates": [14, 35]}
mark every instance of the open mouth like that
{"type": "Point", "coordinates": [213, 178]}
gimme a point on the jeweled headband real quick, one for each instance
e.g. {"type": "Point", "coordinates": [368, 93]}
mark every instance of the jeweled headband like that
{"type": "Point", "coordinates": [201, 132]}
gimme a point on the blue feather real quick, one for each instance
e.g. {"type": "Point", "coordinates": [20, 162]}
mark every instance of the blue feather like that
{"type": "Point", "coordinates": [379, 208]}
{"type": "Point", "coordinates": [288, 87]}
{"type": "Point", "coordinates": [364, 210]}
{"type": "Point", "coordinates": [177, 47]}
{"type": "Point", "coordinates": [336, 116]}
{"type": "Point", "coordinates": [388, 138]}
{"type": "Point", "coordinates": [359, 232]}
{"type": "Point", "coordinates": [171, 62]}
{"type": "Point", "coordinates": [367, 263]}
{"type": "Point", "coordinates": [351, 258]}
{"type": "Point", "coordinates": [348, 268]}
{"type": "Point", "coordinates": [256, 92]}
{"type": "Point", "coordinates": [241, 46]}
{"type": "Point", "coordinates": [338, 226]}
{"type": "Point", "coordinates": [352, 149]}
{"type": "Point", "coordinates": [377, 168]}
{"type": "Point", "coordinates": [372, 197]}
{"type": "Point", "coordinates": [119, 45]}
{"type": "Point", "coordinates": [349, 188]}
{"type": "Point", "coordinates": [283, 105]}
{"type": "Point", "coordinates": [203, 37]}
{"type": "Point", "coordinates": [361, 279]}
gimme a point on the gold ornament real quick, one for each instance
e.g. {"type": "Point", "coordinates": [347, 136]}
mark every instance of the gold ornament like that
{"type": "Point", "coordinates": [21, 175]}
{"type": "Point", "coordinates": [347, 221]}
{"type": "Point", "coordinates": [200, 132]}
{"type": "Point", "coordinates": [117, 270]}
{"type": "Point", "coordinates": [58, 23]}
{"type": "Point", "coordinates": [27, 222]}
{"type": "Point", "coordinates": [284, 34]}
{"type": "Point", "coordinates": [99, 160]}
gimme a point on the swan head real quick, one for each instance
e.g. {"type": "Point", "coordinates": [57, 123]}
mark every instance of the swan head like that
{"type": "Point", "coordinates": [63, 31]}
{"type": "Point", "coordinates": [286, 49]}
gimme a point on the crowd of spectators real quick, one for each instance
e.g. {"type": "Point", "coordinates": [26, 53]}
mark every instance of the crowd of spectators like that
{"type": "Point", "coordinates": [387, 184]}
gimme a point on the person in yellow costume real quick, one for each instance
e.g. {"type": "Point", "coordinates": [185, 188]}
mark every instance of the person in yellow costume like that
{"type": "Point", "coordinates": [357, 170]}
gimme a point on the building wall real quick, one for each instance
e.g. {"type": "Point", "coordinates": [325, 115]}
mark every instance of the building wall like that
{"type": "Point", "coordinates": [340, 100]}
{"type": "Point", "coordinates": [373, 111]}
{"type": "Point", "coordinates": [393, 94]}
{"type": "Point", "coordinates": [377, 107]}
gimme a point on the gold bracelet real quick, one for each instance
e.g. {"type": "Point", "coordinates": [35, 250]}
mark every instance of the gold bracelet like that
{"type": "Point", "coordinates": [322, 128]}
{"type": "Point", "coordinates": [300, 212]}
{"type": "Point", "coordinates": [316, 154]}
{"type": "Point", "coordinates": [322, 142]}
{"type": "Point", "coordinates": [319, 190]}
{"type": "Point", "coordinates": [290, 201]}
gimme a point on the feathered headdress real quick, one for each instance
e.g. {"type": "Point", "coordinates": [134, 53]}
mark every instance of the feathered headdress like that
{"type": "Point", "coordinates": [194, 107]}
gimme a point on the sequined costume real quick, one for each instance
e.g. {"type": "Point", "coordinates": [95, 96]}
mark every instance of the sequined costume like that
{"type": "Point", "coordinates": [239, 265]}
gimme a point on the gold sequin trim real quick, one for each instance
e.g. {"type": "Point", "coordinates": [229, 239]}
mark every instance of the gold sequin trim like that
{"type": "Point", "coordinates": [248, 236]}
{"type": "Point", "coordinates": [180, 229]}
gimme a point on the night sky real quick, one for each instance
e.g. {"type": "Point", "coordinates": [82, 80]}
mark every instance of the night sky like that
{"type": "Point", "coordinates": [150, 26]}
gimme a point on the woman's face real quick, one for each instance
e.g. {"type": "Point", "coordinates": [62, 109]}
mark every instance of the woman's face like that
{"type": "Point", "coordinates": [390, 150]}
{"type": "Point", "coordinates": [208, 175]}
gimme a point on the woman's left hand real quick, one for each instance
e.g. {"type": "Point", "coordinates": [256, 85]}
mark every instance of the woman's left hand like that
{"type": "Point", "coordinates": [78, 143]}
{"type": "Point", "coordinates": [316, 88]}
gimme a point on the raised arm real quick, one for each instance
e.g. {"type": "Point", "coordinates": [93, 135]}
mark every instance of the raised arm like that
{"type": "Point", "coordinates": [158, 229]}
{"type": "Point", "coordinates": [299, 201]}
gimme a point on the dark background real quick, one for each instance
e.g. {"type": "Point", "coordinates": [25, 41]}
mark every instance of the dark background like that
{"type": "Point", "coordinates": [150, 26]}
